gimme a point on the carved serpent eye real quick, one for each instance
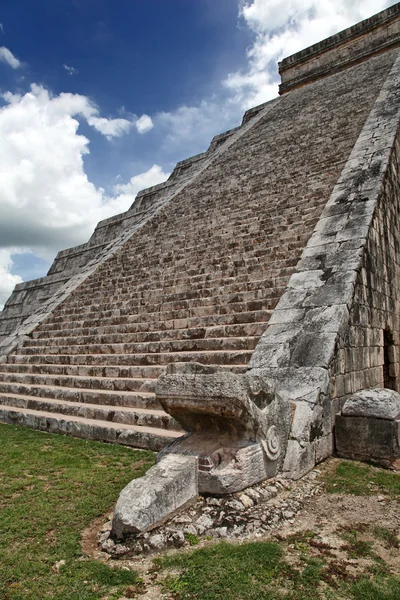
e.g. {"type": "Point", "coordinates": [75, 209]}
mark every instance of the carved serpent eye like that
{"type": "Point", "coordinates": [272, 443]}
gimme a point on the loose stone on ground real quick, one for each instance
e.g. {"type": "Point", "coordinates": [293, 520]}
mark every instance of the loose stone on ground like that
{"type": "Point", "coordinates": [243, 515]}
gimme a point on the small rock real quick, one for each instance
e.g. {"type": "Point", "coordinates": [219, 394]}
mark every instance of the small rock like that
{"type": "Point", "coordinates": [237, 530]}
{"type": "Point", "coordinates": [246, 501]}
{"type": "Point", "coordinates": [204, 521]}
{"type": "Point", "coordinates": [288, 514]}
{"type": "Point", "coordinates": [214, 501]}
{"type": "Point", "coordinates": [103, 537]}
{"type": "Point", "coordinates": [190, 529]}
{"type": "Point", "coordinates": [120, 550]}
{"type": "Point", "coordinates": [178, 539]}
{"type": "Point", "coordinates": [275, 519]}
{"type": "Point", "coordinates": [57, 566]}
{"type": "Point", "coordinates": [108, 545]}
{"type": "Point", "coordinates": [138, 548]}
{"type": "Point", "coordinates": [234, 505]}
{"type": "Point", "coordinates": [157, 541]}
{"type": "Point", "coordinates": [254, 495]}
{"type": "Point", "coordinates": [182, 519]}
{"type": "Point", "coordinates": [221, 532]}
{"type": "Point", "coordinates": [381, 498]}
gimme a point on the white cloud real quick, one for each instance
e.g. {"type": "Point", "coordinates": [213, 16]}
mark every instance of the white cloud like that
{"type": "Point", "coordinates": [7, 280]}
{"type": "Point", "coordinates": [8, 57]}
{"type": "Point", "coordinates": [1, 27]}
{"type": "Point", "coordinates": [71, 70]}
{"type": "Point", "coordinates": [110, 127]}
{"type": "Point", "coordinates": [144, 124]}
{"type": "Point", "coordinates": [68, 105]}
{"type": "Point", "coordinates": [282, 28]}
{"type": "Point", "coordinates": [46, 199]}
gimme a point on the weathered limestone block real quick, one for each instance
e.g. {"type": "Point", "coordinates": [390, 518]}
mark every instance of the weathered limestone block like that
{"type": "Point", "coordinates": [146, 502]}
{"type": "Point", "coordinates": [368, 427]}
{"type": "Point", "coordinates": [237, 427]}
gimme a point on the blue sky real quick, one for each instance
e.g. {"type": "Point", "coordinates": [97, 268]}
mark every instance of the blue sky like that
{"type": "Point", "coordinates": [99, 99]}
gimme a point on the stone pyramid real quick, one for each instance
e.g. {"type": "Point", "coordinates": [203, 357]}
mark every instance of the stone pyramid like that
{"type": "Point", "coordinates": [277, 251]}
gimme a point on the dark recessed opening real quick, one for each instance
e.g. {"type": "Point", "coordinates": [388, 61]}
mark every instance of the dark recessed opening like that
{"type": "Point", "coordinates": [389, 380]}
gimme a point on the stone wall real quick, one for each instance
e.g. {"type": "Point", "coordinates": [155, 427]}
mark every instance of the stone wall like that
{"type": "Point", "coordinates": [368, 352]}
{"type": "Point", "coordinates": [325, 338]}
{"type": "Point", "coordinates": [348, 47]}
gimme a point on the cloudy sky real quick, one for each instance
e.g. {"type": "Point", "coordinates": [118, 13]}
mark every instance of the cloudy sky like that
{"type": "Point", "coordinates": [100, 98]}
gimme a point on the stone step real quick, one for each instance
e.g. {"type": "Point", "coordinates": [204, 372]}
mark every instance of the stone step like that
{"type": "Point", "coordinates": [253, 288]}
{"type": "Point", "coordinates": [130, 324]}
{"type": "Point", "coordinates": [211, 288]}
{"type": "Point", "coordinates": [74, 394]}
{"type": "Point", "coordinates": [150, 438]}
{"type": "Point", "coordinates": [239, 301]}
{"type": "Point", "coordinates": [98, 371]}
{"type": "Point", "coordinates": [106, 371]}
{"type": "Point", "coordinates": [99, 412]}
{"type": "Point", "coordinates": [227, 357]}
{"type": "Point", "coordinates": [93, 335]}
{"type": "Point", "coordinates": [246, 343]}
{"type": "Point", "coordinates": [175, 286]}
{"type": "Point", "coordinates": [120, 384]}
{"type": "Point", "coordinates": [179, 288]}
{"type": "Point", "coordinates": [206, 310]}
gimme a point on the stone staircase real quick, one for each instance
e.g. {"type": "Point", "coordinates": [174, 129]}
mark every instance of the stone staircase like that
{"type": "Point", "coordinates": [196, 282]}
{"type": "Point", "coordinates": [93, 364]}
{"type": "Point", "coordinates": [94, 367]}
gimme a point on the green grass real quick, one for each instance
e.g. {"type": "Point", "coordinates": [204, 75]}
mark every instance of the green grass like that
{"type": "Point", "coordinates": [192, 539]}
{"type": "Point", "coordinates": [252, 571]}
{"type": "Point", "coordinates": [260, 571]}
{"type": "Point", "coordinates": [362, 480]}
{"type": "Point", "coordinates": [386, 535]}
{"type": "Point", "coordinates": [224, 571]}
{"type": "Point", "coordinates": [381, 588]}
{"type": "Point", "coordinates": [356, 546]}
{"type": "Point", "coordinates": [52, 487]}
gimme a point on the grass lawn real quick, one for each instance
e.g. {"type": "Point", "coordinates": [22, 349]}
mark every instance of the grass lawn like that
{"type": "Point", "coordinates": [51, 488]}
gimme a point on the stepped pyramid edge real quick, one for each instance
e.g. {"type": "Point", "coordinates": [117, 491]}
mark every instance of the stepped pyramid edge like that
{"type": "Point", "coordinates": [275, 254]}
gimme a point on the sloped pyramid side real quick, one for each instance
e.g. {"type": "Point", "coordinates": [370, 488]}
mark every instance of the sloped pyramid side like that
{"type": "Point", "coordinates": [199, 278]}
{"type": "Point", "coordinates": [336, 330]}
{"type": "Point", "coordinates": [31, 297]}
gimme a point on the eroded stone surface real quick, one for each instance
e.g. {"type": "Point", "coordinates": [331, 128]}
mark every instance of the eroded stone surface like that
{"type": "Point", "coordinates": [368, 427]}
{"type": "Point", "coordinates": [243, 515]}
{"type": "Point", "coordinates": [146, 502]}
{"type": "Point", "coordinates": [376, 403]}
{"type": "Point", "coordinates": [237, 426]}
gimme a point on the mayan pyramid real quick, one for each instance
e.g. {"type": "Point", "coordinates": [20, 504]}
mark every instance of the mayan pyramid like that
{"type": "Point", "coordinates": [276, 250]}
